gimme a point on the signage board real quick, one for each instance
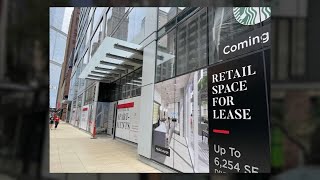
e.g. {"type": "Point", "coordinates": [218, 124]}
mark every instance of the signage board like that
{"type": "Point", "coordinates": [238, 113]}
{"type": "Point", "coordinates": [246, 43]}
{"type": "Point", "coordinates": [84, 117]}
{"type": "Point", "coordinates": [127, 122]}
{"type": "Point", "coordinates": [162, 150]}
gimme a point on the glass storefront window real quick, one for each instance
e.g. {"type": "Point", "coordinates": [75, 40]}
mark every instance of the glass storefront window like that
{"type": "Point", "coordinates": [117, 91]}
{"type": "Point", "coordinates": [89, 95]}
{"type": "Point", "coordinates": [166, 56]}
{"type": "Point", "coordinates": [79, 101]}
{"type": "Point", "coordinates": [123, 87]}
{"type": "Point", "coordinates": [192, 43]}
{"type": "Point", "coordinates": [128, 86]}
{"type": "Point", "coordinates": [180, 122]}
{"type": "Point", "coordinates": [137, 82]}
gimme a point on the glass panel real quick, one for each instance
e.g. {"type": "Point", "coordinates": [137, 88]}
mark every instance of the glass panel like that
{"type": "Point", "coordinates": [165, 15]}
{"type": "Point", "coordinates": [88, 33]}
{"type": "Point", "coordinates": [137, 82]}
{"type": "Point", "coordinates": [128, 86]}
{"type": "Point", "coordinates": [85, 59]}
{"type": "Point", "coordinates": [114, 16]}
{"type": "Point", "coordinates": [202, 162]}
{"type": "Point", "coordinates": [163, 129]}
{"type": "Point", "coordinates": [213, 54]}
{"type": "Point", "coordinates": [166, 56]}
{"type": "Point", "coordinates": [180, 122]}
{"type": "Point", "coordinates": [97, 16]}
{"type": "Point", "coordinates": [91, 13]}
{"type": "Point", "coordinates": [139, 24]}
{"type": "Point", "coordinates": [118, 89]}
{"type": "Point", "coordinates": [79, 101]}
{"type": "Point", "coordinates": [192, 43]}
{"type": "Point", "coordinates": [123, 88]}
{"type": "Point", "coordinates": [58, 49]}
{"type": "Point", "coordinates": [96, 39]}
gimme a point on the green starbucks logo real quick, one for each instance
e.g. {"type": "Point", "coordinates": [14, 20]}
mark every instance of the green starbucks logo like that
{"type": "Point", "coordinates": [251, 15]}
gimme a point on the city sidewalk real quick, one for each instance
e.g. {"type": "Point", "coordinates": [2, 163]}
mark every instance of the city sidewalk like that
{"type": "Point", "coordinates": [72, 151]}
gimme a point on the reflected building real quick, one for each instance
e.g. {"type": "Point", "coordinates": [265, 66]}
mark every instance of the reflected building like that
{"type": "Point", "coordinates": [112, 23]}
{"type": "Point", "coordinates": [59, 23]}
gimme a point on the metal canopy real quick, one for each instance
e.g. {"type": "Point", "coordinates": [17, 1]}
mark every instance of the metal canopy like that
{"type": "Point", "coordinates": [105, 74]}
{"type": "Point", "coordinates": [121, 66]}
{"type": "Point", "coordinates": [119, 71]}
{"type": "Point", "coordinates": [113, 59]}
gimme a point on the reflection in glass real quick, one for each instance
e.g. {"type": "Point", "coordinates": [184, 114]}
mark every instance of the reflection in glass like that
{"type": "Point", "coordinates": [192, 43]}
{"type": "Point", "coordinates": [166, 14]}
{"type": "Point", "coordinates": [166, 56]}
{"type": "Point", "coordinates": [97, 16]}
{"type": "Point", "coordinates": [96, 39]}
{"type": "Point", "coordinates": [114, 16]}
{"type": "Point", "coordinates": [132, 27]}
{"type": "Point", "coordinates": [88, 33]}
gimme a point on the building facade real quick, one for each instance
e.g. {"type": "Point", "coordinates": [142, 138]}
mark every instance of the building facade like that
{"type": "Point", "coordinates": [140, 75]}
{"type": "Point", "coordinates": [63, 106]}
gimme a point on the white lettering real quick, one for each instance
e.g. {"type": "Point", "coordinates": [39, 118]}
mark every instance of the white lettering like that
{"type": "Point", "coordinates": [224, 50]}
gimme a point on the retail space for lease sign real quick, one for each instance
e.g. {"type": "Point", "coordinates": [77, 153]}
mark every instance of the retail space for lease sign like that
{"type": "Point", "coordinates": [216, 119]}
{"type": "Point", "coordinates": [239, 140]}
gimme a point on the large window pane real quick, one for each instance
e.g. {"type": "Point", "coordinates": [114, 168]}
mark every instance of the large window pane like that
{"type": "Point", "coordinates": [136, 26]}
{"type": "Point", "coordinates": [97, 16]}
{"type": "Point", "coordinates": [192, 43]}
{"type": "Point", "coordinates": [137, 81]}
{"type": "Point", "coordinates": [166, 56]}
{"type": "Point", "coordinates": [114, 16]}
{"type": "Point", "coordinates": [58, 48]}
{"type": "Point", "coordinates": [128, 85]}
{"type": "Point", "coordinates": [123, 88]}
{"type": "Point", "coordinates": [91, 13]}
{"type": "Point", "coordinates": [180, 122]}
{"type": "Point", "coordinates": [88, 33]}
{"type": "Point", "coordinates": [166, 14]}
{"type": "Point", "coordinates": [96, 39]}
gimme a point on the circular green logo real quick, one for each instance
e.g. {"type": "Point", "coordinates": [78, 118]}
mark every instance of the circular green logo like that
{"type": "Point", "coordinates": [251, 15]}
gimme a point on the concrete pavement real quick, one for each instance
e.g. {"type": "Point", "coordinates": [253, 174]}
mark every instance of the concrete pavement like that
{"type": "Point", "coordinates": [72, 151]}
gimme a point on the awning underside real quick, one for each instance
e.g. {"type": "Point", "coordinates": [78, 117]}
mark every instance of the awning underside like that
{"type": "Point", "coordinates": [113, 59]}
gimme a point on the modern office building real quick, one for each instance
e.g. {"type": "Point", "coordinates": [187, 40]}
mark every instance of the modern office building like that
{"type": "Point", "coordinates": [59, 25]}
{"type": "Point", "coordinates": [64, 105]}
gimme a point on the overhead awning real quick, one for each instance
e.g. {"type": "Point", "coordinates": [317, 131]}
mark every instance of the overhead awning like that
{"type": "Point", "coordinates": [113, 59]}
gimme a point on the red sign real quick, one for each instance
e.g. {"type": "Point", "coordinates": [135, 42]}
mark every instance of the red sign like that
{"type": "Point", "coordinates": [85, 109]}
{"type": "Point", "coordinates": [126, 105]}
